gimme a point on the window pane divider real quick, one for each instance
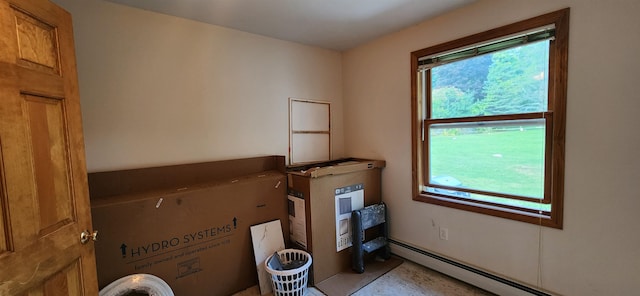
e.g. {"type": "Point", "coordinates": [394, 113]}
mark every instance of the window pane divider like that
{"type": "Point", "coordinates": [475, 120]}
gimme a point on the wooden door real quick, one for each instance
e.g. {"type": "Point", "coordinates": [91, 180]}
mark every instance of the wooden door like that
{"type": "Point", "coordinates": [44, 200]}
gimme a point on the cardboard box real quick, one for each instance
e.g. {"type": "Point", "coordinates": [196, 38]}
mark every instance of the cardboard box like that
{"type": "Point", "coordinates": [193, 233]}
{"type": "Point", "coordinates": [320, 188]}
{"type": "Point", "coordinates": [335, 167]}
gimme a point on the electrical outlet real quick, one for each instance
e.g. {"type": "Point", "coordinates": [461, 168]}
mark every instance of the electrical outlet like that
{"type": "Point", "coordinates": [444, 233]}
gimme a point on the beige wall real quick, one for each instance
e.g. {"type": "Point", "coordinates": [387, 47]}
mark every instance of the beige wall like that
{"type": "Point", "coordinates": [159, 90]}
{"type": "Point", "coordinates": [598, 251]}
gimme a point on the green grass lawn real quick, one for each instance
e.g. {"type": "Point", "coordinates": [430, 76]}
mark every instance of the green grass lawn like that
{"type": "Point", "coordinates": [503, 161]}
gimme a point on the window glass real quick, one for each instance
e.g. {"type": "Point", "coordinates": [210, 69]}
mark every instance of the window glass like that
{"type": "Point", "coordinates": [500, 157]}
{"type": "Point", "coordinates": [506, 82]}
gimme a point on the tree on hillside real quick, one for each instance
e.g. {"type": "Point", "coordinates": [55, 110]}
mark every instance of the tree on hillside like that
{"type": "Point", "coordinates": [449, 102]}
{"type": "Point", "coordinates": [517, 82]}
{"type": "Point", "coordinates": [467, 75]}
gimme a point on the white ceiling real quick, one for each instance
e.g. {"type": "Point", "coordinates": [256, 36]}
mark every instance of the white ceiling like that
{"type": "Point", "coordinates": [332, 24]}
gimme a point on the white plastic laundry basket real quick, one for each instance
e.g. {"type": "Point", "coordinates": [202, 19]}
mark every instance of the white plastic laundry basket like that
{"type": "Point", "coordinates": [292, 282]}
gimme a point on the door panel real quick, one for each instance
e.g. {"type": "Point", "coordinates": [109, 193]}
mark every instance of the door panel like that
{"type": "Point", "coordinates": [4, 231]}
{"type": "Point", "coordinates": [44, 200]}
{"type": "Point", "coordinates": [66, 282]}
{"type": "Point", "coordinates": [37, 43]}
{"type": "Point", "coordinates": [46, 125]}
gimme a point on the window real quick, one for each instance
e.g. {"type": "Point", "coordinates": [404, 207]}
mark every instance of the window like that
{"type": "Point", "coordinates": [489, 121]}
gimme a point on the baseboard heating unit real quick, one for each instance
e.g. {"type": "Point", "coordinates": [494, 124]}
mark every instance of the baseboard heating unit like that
{"type": "Point", "coordinates": [479, 278]}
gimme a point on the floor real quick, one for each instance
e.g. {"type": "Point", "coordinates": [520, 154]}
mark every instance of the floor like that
{"type": "Point", "coordinates": [407, 279]}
